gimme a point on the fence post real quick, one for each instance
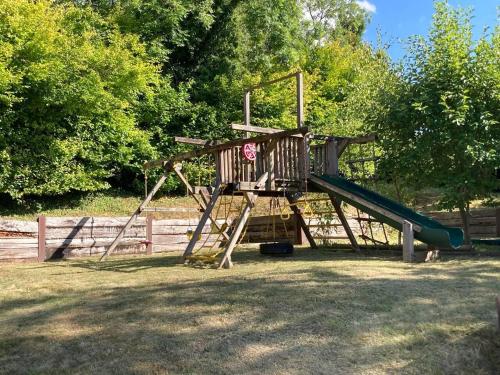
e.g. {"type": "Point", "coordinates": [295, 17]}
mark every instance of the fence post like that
{"type": "Point", "coordinates": [408, 250]}
{"type": "Point", "coordinates": [149, 234]}
{"type": "Point", "coordinates": [41, 238]}
{"type": "Point", "coordinates": [498, 221]}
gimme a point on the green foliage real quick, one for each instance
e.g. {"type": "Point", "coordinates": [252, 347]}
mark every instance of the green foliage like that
{"type": "Point", "coordinates": [441, 128]}
{"type": "Point", "coordinates": [69, 87]}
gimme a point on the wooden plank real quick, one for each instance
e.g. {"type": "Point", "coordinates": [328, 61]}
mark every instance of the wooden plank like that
{"type": "Point", "coordinates": [16, 254]}
{"type": "Point", "coordinates": [194, 141]}
{"type": "Point", "coordinates": [271, 82]}
{"type": "Point", "coordinates": [90, 221]}
{"type": "Point", "coordinates": [183, 239]}
{"type": "Point", "coordinates": [89, 242]}
{"type": "Point", "coordinates": [99, 250]}
{"type": "Point", "coordinates": [77, 232]}
{"type": "Point", "coordinates": [255, 129]}
{"type": "Point", "coordinates": [21, 226]}
{"type": "Point", "coordinates": [41, 238]}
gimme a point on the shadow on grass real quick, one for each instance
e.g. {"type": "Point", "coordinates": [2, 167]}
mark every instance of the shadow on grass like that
{"type": "Point", "coordinates": [313, 320]}
{"type": "Point", "coordinates": [243, 256]}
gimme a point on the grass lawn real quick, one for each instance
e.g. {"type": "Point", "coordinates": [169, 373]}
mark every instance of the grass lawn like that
{"type": "Point", "coordinates": [319, 312]}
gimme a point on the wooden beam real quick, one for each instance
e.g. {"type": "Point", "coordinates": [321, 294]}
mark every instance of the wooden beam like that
{"type": "Point", "coordinates": [255, 129]}
{"type": "Point", "coordinates": [222, 146]}
{"type": "Point", "coordinates": [194, 141]}
{"type": "Point", "coordinates": [340, 213]}
{"type": "Point", "coordinates": [203, 220]}
{"type": "Point", "coordinates": [267, 83]}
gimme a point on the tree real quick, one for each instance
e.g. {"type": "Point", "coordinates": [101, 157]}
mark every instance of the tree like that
{"type": "Point", "coordinates": [442, 126]}
{"type": "Point", "coordinates": [69, 87]}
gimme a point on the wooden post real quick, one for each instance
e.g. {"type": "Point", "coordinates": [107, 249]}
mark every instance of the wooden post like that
{"type": "Point", "coordinates": [300, 100]}
{"type": "Point", "coordinates": [246, 111]}
{"type": "Point", "coordinates": [42, 226]}
{"type": "Point", "coordinates": [498, 221]}
{"type": "Point", "coordinates": [408, 251]}
{"type": "Point", "coordinates": [149, 235]}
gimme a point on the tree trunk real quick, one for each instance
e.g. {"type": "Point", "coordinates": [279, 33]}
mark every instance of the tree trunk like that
{"type": "Point", "coordinates": [465, 215]}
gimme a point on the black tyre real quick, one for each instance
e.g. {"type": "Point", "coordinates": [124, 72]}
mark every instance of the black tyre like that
{"type": "Point", "coordinates": [277, 249]}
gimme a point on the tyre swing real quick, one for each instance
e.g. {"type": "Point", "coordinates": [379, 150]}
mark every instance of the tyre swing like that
{"type": "Point", "coordinates": [277, 248]}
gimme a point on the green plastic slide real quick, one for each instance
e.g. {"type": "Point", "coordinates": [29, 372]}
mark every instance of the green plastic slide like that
{"type": "Point", "coordinates": [390, 212]}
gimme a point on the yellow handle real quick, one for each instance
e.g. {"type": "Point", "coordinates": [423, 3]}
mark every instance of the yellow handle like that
{"type": "Point", "coordinates": [308, 212]}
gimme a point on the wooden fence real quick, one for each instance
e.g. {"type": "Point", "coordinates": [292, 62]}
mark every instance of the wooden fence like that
{"type": "Point", "coordinates": [52, 237]}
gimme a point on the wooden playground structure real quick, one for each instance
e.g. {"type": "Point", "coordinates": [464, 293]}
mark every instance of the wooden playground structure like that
{"type": "Point", "coordinates": [273, 163]}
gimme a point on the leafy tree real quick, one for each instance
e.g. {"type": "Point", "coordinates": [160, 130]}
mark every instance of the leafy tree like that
{"type": "Point", "coordinates": [442, 127]}
{"type": "Point", "coordinates": [69, 88]}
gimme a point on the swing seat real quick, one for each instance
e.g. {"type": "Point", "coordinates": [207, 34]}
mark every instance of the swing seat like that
{"type": "Point", "coordinates": [277, 249]}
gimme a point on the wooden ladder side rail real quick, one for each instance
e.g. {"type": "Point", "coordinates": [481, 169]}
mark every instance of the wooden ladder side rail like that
{"type": "Point", "coordinates": [364, 202]}
{"type": "Point", "coordinates": [203, 220]}
{"type": "Point", "coordinates": [227, 145]}
{"type": "Point", "coordinates": [203, 203]}
{"type": "Point", "coordinates": [345, 223]}
{"type": "Point", "coordinates": [137, 213]}
{"type": "Point", "coordinates": [235, 235]}
{"type": "Point", "coordinates": [302, 223]}
{"type": "Point", "coordinates": [244, 215]}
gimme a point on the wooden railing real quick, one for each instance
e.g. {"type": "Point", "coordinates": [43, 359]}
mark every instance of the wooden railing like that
{"type": "Point", "coordinates": [324, 158]}
{"type": "Point", "coordinates": [283, 158]}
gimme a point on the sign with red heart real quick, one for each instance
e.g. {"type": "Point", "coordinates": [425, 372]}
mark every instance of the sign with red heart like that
{"type": "Point", "coordinates": [249, 151]}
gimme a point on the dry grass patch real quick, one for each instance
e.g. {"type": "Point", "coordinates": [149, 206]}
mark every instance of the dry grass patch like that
{"type": "Point", "coordinates": [317, 312]}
